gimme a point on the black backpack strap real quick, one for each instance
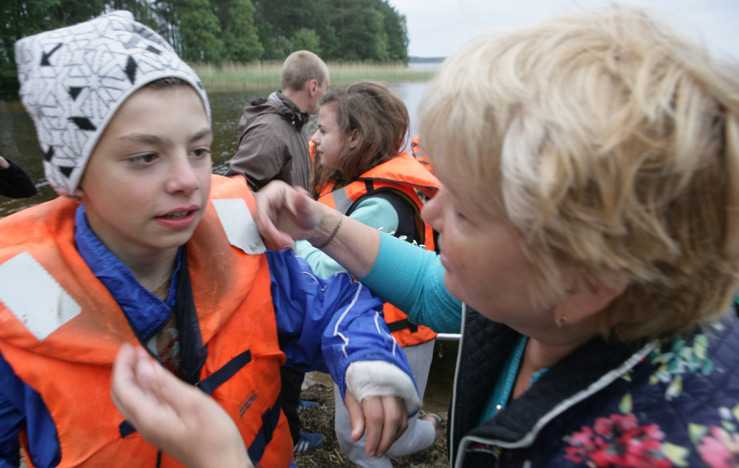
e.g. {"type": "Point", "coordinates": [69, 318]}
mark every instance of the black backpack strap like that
{"type": "Point", "coordinates": [410, 225]}
{"type": "Point", "coordinates": [402, 325]}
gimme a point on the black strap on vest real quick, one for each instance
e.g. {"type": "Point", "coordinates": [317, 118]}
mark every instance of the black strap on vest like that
{"type": "Point", "coordinates": [208, 385]}
{"type": "Point", "coordinates": [219, 377]}
{"type": "Point", "coordinates": [402, 325]}
{"type": "Point", "coordinates": [192, 352]}
{"type": "Point", "coordinates": [270, 418]}
{"type": "Point", "coordinates": [410, 225]}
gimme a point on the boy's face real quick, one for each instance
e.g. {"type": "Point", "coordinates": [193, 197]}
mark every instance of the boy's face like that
{"type": "Point", "coordinates": [147, 183]}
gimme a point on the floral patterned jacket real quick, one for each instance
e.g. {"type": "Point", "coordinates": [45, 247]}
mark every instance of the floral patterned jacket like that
{"type": "Point", "coordinates": [660, 404]}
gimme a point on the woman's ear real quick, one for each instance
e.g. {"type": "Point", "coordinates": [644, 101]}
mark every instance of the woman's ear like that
{"type": "Point", "coordinates": [586, 298]}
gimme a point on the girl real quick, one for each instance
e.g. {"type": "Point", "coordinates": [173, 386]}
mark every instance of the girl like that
{"type": "Point", "coordinates": [362, 171]}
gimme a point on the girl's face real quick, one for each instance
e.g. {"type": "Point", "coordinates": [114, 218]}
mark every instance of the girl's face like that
{"type": "Point", "coordinates": [146, 186]}
{"type": "Point", "coordinates": [329, 139]}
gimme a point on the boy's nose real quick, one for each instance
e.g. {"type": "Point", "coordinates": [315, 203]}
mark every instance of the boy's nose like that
{"type": "Point", "coordinates": [182, 177]}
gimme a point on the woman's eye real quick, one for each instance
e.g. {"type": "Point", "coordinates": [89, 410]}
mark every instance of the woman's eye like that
{"type": "Point", "coordinates": [143, 159]}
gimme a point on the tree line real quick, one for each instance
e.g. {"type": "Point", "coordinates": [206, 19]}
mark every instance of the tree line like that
{"type": "Point", "coordinates": [218, 31]}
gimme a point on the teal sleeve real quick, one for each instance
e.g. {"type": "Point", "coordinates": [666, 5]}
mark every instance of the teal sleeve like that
{"type": "Point", "coordinates": [412, 279]}
{"type": "Point", "coordinates": [372, 211]}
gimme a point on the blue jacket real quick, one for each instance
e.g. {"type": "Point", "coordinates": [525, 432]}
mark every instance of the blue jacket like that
{"type": "Point", "coordinates": [323, 325]}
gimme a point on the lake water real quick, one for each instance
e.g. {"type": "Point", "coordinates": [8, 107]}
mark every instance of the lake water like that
{"type": "Point", "coordinates": [18, 137]}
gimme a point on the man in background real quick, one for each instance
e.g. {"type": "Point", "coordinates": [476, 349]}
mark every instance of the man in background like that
{"type": "Point", "coordinates": [272, 145]}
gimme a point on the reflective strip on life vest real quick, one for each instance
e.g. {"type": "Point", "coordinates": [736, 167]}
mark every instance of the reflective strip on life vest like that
{"type": "Point", "coordinates": [341, 200]}
{"type": "Point", "coordinates": [237, 221]}
{"type": "Point", "coordinates": [36, 299]}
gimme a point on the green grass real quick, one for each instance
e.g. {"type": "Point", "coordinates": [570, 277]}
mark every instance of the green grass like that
{"type": "Point", "coordinates": [266, 75]}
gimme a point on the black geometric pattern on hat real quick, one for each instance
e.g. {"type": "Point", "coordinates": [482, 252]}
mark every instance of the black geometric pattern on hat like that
{"type": "Point", "coordinates": [47, 55]}
{"type": "Point", "coordinates": [49, 153]}
{"type": "Point", "coordinates": [75, 91]}
{"type": "Point", "coordinates": [131, 67]}
{"type": "Point", "coordinates": [66, 170]}
{"type": "Point", "coordinates": [83, 123]}
{"type": "Point", "coordinates": [74, 78]}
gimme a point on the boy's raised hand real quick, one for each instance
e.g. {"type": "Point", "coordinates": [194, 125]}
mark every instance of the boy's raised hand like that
{"type": "Point", "coordinates": [176, 417]}
{"type": "Point", "coordinates": [383, 419]}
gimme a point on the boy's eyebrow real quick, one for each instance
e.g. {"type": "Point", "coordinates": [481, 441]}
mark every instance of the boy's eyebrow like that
{"type": "Point", "coordinates": [201, 134]}
{"type": "Point", "coordinates": [143, 138]}
{"type": "Point", "coordinates": [155, 140]}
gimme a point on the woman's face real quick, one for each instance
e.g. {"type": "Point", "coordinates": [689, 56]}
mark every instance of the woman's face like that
{"type": "Point", "coordinates": [482, 254]}
{"type": "Point", "coordinates": [147, 183]}
{"type": "Point", "coordinates": [329, 138]}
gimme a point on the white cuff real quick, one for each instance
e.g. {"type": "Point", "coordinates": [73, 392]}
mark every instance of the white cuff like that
{"type": "Point", "coordinates": [366, 379]}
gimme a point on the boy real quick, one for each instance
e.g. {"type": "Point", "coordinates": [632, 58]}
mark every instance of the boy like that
{"type": "Point", "coordinates": [147, 246]}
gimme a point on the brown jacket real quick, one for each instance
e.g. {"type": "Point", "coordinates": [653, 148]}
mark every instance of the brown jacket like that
{"type": "Point", "coordinates": [271, 144]}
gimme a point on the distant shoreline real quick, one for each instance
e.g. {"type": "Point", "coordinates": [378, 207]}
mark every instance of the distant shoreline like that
{"type": "Point", "coordinates": [413, 59]}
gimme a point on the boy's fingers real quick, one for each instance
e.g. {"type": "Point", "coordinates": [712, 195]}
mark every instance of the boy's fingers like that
{"type": "Point", "coordinates": [356, 416]}
{"type": "Point", "coordinates": [393, 423]}
{"type": "Point", "coordinates": [374, 416]}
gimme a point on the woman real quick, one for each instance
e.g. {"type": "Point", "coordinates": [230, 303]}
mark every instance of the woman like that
{"type": "Point", "coordinates": [362, 171]}
{"type": "Point", "coordinates": [146, 247]}
{"type": "Point", "coordinates": [590, 171]}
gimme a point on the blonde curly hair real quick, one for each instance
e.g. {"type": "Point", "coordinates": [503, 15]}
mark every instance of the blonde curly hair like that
{"type": "Point", "coordinates": [612, 145]}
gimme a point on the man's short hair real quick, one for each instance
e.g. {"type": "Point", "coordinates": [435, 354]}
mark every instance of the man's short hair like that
{"type": "Point", "coordinates": [302, 66]}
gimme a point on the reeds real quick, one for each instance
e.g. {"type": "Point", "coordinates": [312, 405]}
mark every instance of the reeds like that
{"type": "Point", "coordinates": [266, 75]}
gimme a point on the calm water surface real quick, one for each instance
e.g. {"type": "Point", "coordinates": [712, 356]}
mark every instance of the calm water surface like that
{"type": "Point", "coordinates": [18, 137]}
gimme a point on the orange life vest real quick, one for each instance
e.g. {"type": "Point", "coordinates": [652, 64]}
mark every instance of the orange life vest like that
{"type": "Point", "coordinates": [68, 357]}
{"type": "Point", "coordinates": [405, 176]}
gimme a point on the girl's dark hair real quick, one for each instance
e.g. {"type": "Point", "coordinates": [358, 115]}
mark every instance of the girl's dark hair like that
{"type": "Point", "coordinates": [380, 121]}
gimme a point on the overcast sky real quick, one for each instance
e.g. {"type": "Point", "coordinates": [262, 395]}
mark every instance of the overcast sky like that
{"type": "Point", "coordinates": [441, 27]}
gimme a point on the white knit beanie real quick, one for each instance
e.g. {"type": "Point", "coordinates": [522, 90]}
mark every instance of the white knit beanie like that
{"type": "Point", "coordinates": [73, 79]}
